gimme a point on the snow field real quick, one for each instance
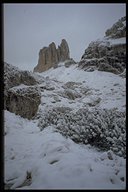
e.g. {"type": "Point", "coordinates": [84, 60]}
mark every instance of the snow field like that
{"type": "Point", "coordinates": [55, 162]}
{"type": "Point", "coordinates": [41, 153]}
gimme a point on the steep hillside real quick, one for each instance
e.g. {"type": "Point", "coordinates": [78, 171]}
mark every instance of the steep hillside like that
{"type": "Point", "coordinates": [108, 53]}
{"type": "Point", "coordinates": [77, 129]}
{"type": "Point", "coordinates": [118, 30]}
{"type": "Point", "coordinates": [73, 109]}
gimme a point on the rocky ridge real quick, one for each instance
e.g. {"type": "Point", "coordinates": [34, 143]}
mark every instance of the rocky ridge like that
{"type": "Point", "coordinates": [108, 53]}
{"type": "Point", "coordinates": [118, 30]}
{"type": "Point", "coordinates": [50, 56]}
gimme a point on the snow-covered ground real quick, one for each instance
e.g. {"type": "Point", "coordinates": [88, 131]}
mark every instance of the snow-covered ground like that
{"type": "Point", "coordinates": [36, 159]}
{"type": "Point", "coordinates": [110, 88]}
{"type": "Point", "coordinates": [108, 41]}
{"type": "Point", "coordinates": [55, 162]}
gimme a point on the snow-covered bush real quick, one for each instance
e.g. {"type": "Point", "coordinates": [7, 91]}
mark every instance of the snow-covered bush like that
{"type": "Point", "coordinates": [101, 128]}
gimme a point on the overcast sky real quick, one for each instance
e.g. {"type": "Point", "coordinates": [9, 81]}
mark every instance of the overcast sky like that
{"type": "Point", "coordinates": [30, 27]}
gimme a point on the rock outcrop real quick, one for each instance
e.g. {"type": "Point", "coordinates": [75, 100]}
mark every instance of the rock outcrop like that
{"type": "Point", "coordinates": [108, 53]}
{"type": "Point", "coordinates": [50, 56]}
{"type": "Point", "coordinates": [63, 51]}
{"type": "Point", "coordinates": [14, 76]}
{"type": "Point", "coordinates": [69, 62]}
{"type": "Point", "coordinates": [21, 95]}
{"type": "Point", "coordinates": [23, 101]}
{"type": "Point", "coordinates": [118, 30]}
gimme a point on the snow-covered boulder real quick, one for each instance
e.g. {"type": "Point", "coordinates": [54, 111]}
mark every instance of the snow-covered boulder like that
{"type": "Point", "coordinates": [20, 95]}
{"type": "Point", "coordinates": [123, 74]}
{"type": "Point", "coordinates": [70, 94]}
{"type": "Point", "coordinates": [23, 100]}
{"type": "Point", "coordinates": [69, 62]}
{"type": "Point", "coordinates": [13, 76]}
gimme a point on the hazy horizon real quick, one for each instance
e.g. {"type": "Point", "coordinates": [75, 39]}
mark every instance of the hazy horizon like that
{"type": "Point", "coordinates": [30, 27]}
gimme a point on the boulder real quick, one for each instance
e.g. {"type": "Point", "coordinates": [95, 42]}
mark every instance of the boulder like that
{"type": "Point", "coordinates": [70, 94]}
{"type": "Point", "coordinates": [23, 101]}
{"type": "Point", "coordinates": [69, 62]}
{"type": "Point", "coordinates": [14, 76]}
{"type": "Point", "coordinates": [21, 95]}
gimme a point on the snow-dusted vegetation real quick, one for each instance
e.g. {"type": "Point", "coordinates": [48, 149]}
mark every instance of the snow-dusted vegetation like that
{"type": "Point", "coordinates": [77, 139]}
{"type": "Point", "coordinates": [45, 159]}
{"type": "Point", "coordinates": [102, 128]}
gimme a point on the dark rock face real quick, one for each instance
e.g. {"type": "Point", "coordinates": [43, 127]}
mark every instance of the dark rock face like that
{"type": "Point", "coordinates": [23, 101]}
{"type": "Point", "coordinates": [50, 56]}
{"type": "Point", "coordinates": [20, 99]}
{"type": "Point", "coordinates": [14, 76]}
{"type": "Point", "coordinates": [118, 30]}
{"type": "Point", "coordinates": [107, 54]}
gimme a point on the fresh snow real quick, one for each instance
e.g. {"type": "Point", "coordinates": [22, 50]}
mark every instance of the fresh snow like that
{"type": "Point", "coordinates": [118, 41]}
{"type": "Point", "coordinates": [52, 160]}
{"type": "Point", "coordinates": [108, 41]}
{"type": "Point", "coordinates": [110, 87]}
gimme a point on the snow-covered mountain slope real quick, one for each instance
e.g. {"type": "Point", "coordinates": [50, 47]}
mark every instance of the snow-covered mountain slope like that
{"type": "Point", "coordinates": [38, 153]}
{"type": "Point", "coordinates": [108, 88]}
{"type": "Point", "coordinates": [105, 54]}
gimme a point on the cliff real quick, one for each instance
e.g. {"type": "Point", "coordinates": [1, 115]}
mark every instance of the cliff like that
{"type": "Point", "coordinates": [109, 52]}
{"type": "Point", "coordinates": [50, 56]}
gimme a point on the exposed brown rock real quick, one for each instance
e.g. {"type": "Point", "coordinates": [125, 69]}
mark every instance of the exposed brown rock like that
{"type": "Point", "coordinates": [50, 56]}
{"type": "Point", "coordinates": [64, 51]}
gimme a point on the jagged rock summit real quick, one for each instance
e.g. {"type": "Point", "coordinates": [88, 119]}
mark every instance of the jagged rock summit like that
{"type": "Point", "coordinates": [108, 53]}
{"type": "Point", "coordinates": [50, 56]}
